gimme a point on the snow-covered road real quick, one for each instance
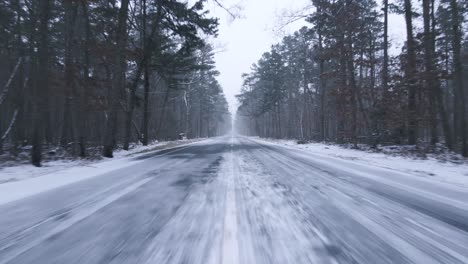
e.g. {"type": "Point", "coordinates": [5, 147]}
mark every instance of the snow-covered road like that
{"type": "Point", "coordinates": [240, 200]}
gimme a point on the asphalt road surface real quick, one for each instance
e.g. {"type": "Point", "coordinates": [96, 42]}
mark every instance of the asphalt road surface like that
{"type": "Point", "coordinates": [239, 200]}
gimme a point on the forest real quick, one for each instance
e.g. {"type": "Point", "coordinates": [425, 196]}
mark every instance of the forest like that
{"type": "Point", "coordinates": [337, 80]}
{"type": "Point", "coordinates": [86, 76]}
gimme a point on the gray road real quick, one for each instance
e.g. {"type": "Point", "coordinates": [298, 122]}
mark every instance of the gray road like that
{"type": "Point", "coordinates": [239, 200]}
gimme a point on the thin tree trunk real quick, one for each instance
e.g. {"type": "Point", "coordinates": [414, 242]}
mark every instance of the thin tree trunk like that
{"type": "Point", "coordinates": [118, 80]}
{"type": "Point", "coordinates": [146, 112]}
{"type": "Point", "coordinates": [354, 91]}
{"type": "Point", "coordinates": [187, 114]}
{"type": "Point", "coordinates": [458, 74]}
{"type": "Point", "coordinates": [429, 78]}
{"type": "Point", "coordinates": [84, 92]}
{"type": "Point", "coordinates": [436, 92]}
{"type": "Point", "coordinates": [149, 48]}
{"type": "Point", "coordinates": [322, 85]}
{"type": "Point", "coordinates": [385, 50]}
{"type": "Point", "coordinates": [132, 96]}
{"type": "Point", "coordinates": [340, 106]}
{"type": "Point", "coordinates": [163, 111]}
{"type": "Point", "coordinates": [410, 75]}
{"type": "Point", "coordinates": [70, 108]}
{"type": "Point", "coordinates": [40, 112]}
{"type": "Point", "coordinates": [21, 81]}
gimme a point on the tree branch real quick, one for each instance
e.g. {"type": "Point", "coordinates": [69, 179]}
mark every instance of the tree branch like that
{"type": "Point", "coordinates": [10, 80]}
{"type": "Point", "coordinates": [10, 127]}
{"type": "Point", "coordinates": [228, 10]}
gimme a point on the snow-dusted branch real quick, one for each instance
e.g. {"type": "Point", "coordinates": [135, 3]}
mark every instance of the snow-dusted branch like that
{"type": "Point", "coordinates": [287, 17]}
{"type": "Point", "coordinates": [225, 9]}
{"type": "Point", "coordinates": [10, 127]}
{"type": "Point", "coordinates": [234, 11]}
{"type": "Point", "coordinates": [10, 80]}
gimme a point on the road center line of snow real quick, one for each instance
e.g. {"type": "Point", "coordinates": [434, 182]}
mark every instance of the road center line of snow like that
{"type": "Point", "coordinates": [230, 242]}
{"type": "Point", "coordinates": [75, 219]}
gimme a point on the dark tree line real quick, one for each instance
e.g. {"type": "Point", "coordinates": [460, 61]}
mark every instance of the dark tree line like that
{"type": "Point", "coordinates": [80, 74]}
{"type": "Point", "coordinates": [336, 81]}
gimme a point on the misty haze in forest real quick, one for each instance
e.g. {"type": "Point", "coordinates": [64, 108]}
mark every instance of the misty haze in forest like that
{"type": "Point", "coordinates": [233, 131]}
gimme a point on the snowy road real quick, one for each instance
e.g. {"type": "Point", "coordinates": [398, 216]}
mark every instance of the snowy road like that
{"type": "Point", "coordinates": [240, 200]}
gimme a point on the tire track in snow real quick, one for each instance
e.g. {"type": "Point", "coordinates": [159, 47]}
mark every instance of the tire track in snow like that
{"type": "Point", "coordinates": [271, 230]}
{"type": "Point", "coordinates": [230, 241]}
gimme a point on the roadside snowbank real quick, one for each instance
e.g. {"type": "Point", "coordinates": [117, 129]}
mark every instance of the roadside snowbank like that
{"type": "Point", "coordinates": [21, 181]}
{"type": "Point", "coordinates": [455, 173]}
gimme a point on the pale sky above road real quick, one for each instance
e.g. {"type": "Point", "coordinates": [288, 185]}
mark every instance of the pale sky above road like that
{"type": "Point", "coordinates": [242, 42]}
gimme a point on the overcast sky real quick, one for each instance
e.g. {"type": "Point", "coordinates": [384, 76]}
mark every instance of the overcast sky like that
{"type": "Point", "coordinates": [244, 40]}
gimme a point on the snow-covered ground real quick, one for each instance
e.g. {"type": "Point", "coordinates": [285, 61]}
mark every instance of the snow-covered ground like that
{"type": "Point", "coordinates": [431, 168]}
{"type": "Point", "coordinates": [24, 180]}
{"type": "Point", "coordinates": [326, 204]}
{"type": "Point", "coordinates": [240, 200]}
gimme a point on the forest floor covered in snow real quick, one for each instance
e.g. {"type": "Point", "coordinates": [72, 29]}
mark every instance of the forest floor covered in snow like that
{"type": "Point", "coordinates": [18, 167]}
{"type": "Point", "coordinates": [440, 165]}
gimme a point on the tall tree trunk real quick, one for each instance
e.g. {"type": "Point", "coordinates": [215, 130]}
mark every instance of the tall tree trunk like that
{"type": "Point", "coordinates": [322, 83]}
{"type": "Point", "coordinates": [354, 90]}
{"type": "Point", "coordinates": [20, 93]}
{"type": "Point", "coordinates": [70, 125]}
{"type": "Point", "coordinates": [140, 68]}
{"type": "Point", "coordinates": [429, 79]}
{"type": "Point", "coordinates": [150, 47]}
{"type": "Point", "coordinates": [118, 80]}
{"type": "Point", "coordinates": [41, 107]}
{"type": "Point", "coordinates": [379, 124]}
{"type": "Point", "coordinates": [411, 75]}
{"type": "Point", "coordinates": [131, 105]}
{"type": "Point", "coordinates": [432, 81]}
{"type": "Point", "coordinates": [303, 115]}
{"type": "Point", "coordinates": [146, 112]}
{"type": "Point", "coordinates": [342, 90]}
{"type": "Point", "coordinates": [187, 129]}
{"type": "Point", "coordinates": [458, 74]}
{"type": "Point", "coordinates": [84, 91]}
{"type": "Point", "coordinates": [385, 50]}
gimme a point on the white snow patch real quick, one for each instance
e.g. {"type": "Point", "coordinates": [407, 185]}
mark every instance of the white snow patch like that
{"type": "Point", "coordinates": [430, 169]}
{"type": "Point", "coordinates": [27, 171]}
{"type": "Point", "coordinates": [60, 173]}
